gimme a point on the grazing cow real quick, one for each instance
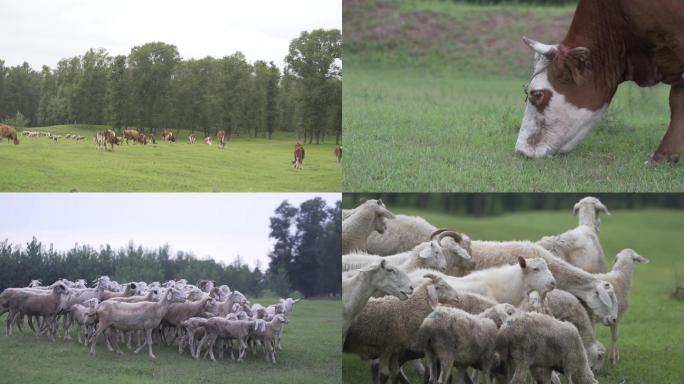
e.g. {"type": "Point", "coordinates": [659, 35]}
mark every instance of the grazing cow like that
{"type": "Point", "coordinates": [106, 137]}
{"type": "Point", "coordinates": [9, 132]}
{"type": "Point", "coordinates": [207, 140]}
{"type": "Point", "coordinates": [167, 135]}
{"type": "Point", "coordinates": [151, 138]}
{"type": "Point", "coordinates": [298, 156]}
{"type": "Point", "coordinates": [192, 138]}
{"type": "Point", "coordinates": [609, 42]}
{"type": "Point", "coordinates": [132, 134]}
{"type": "Point", "coordinates": [221, 137]}
{"type": "Point", "coordinates": [338, 153]}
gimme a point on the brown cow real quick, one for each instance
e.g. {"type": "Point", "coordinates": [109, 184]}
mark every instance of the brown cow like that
{"type": "Point", "coordinates": [9, 132]}
{"type": "Point", "coordinates": [221, 137]}
{"type": "Point", "coordinates": [207, 140]}
{"type": "Point", "coordinates": [609, 42]}
{"type": "Point", "coordinates": [106, 137]}
{"type": "Point", "coordinates": [298, 156]}
{"type": "Point", "coordinates": [338, 153]}
{"type": "Point", "coordinates": [134, 135]}
{"type": "Point", "coordinates": [167, 135]}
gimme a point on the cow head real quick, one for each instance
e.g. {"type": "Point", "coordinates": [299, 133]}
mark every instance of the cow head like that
{"type": "Point", "coordinates": [565, 100]}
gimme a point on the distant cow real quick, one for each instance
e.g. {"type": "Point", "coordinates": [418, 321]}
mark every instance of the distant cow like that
{"type": "Point", "coordinates": [207, 140]}
{"type": "Point", "coordinates": [192, 138]}
{"type": "Point", "coordinates": [132, 134]}
{"type": "Point", "coordinates": [151, 138]}
{"type": "Point", "coordinates": [106, 137]}
{"type": "Point", "coordinates": [338, 153]}
{"type": "Point", "coordinates": [9, 132]}
{"type": "Point", "coordinates": [221, 137]}
{"type": "Point", "coordinates": [298, 156]}
{"type": "Point", "coordinates": [167, 135]}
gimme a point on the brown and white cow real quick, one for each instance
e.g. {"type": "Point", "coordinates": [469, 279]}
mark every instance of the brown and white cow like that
{"type": "Point", "coordinates": [609, 42]}
{"type": "Point", "coordinates": [192, 138]}
{"type": "Point", "coordinates": [167, 135]}
{"type": "Point", "coordinates": [8, 132]}
{"type": "Point", "coordinates": [221, 137]}
{"type": "Point", "coordinates": [338, 153]}
{"type": "Point", "coordinates": [298, 156]}
{"type": "Point", "coordinates": [106, 137]}
{"type": "Point", "coordinates": [207, 140]}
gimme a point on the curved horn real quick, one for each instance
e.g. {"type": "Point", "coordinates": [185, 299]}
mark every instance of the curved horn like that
{"type": "Point", "coordinates": [437, 232]}
{"type": "Point", "coordinates": [454, 235]}
{"type": "Point", "coordinates": [546, 50]}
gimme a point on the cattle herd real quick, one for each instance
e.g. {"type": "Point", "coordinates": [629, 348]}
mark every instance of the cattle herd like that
{"type": "Point", "coordinates": [493, 310]}
{"type": "Point", "coordinates": [201, 319]}
{"type": "Point", "coordinates": [110, 137]}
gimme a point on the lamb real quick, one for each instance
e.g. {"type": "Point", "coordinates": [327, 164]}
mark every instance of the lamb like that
{"type": "Point", "coordinates": [193, 326]}
{"type": "Point", "coordinates": [621, 279]}
{"type": "Point", "coordinates": [450, 336]}
{"type": "Point", "coordinates": [366, 218]}
{"type": "Point", "coordinates": [179, 312]}
{"type": "Point", "coordinates": [565, 307]}
{"type": "Point", "coordinates": [268, 333]}
{"type": "Point", "coordinates": [427, 255]}
{"type": "Point", "coordinates": [230, 329]}
{"type": "Point", "coordinates": [405, 232]}
{"type": "Point", "coordinates": [598, 295]}
{"type": "Point", "coordinates": [504, 284]}
{"type": "Point", "coordinates": [359, 286]}
{"type": "Point", "coordinates": [386, 326]}
{"type": "Point", "coordinates": [84, 315]}
{"type": "Point", "coordinates": [533, 340]}
{"type": "Point", "coordinates": [581, 246]}
{"type": "Point", "coordinates": [133, 317]}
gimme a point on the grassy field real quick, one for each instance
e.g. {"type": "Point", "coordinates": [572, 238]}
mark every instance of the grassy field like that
{"type": "Point", "coordinates": [246, 165]}
{"type": "Point", "coordinates": [433, 101]}
{"type": "Point", "coordinates": [651, 331]}
{"type": "Point", "coordinates": [311, 354]}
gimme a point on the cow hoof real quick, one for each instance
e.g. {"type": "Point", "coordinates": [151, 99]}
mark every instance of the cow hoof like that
{"type": "Point", "coordinates": [659, 158]}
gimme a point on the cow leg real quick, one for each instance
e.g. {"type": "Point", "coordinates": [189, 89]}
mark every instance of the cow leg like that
{"type": "Point", "coordinates": [671, 145]}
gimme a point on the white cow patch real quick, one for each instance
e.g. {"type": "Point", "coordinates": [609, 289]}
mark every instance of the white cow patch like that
{"type": "Point", "coordinates": [560, 127]}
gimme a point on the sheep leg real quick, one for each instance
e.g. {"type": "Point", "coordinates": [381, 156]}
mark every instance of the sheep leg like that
{"type": "Point", "coordinates": [93, 340]}
{"type": "Point", "coordinates": [148, 341]}
{"type": "Point", "coordinates": [519, 375]}
{"type": "Point", "coordinates": [141, 346]}
{"type": "Point", "coordinates": [445, 362]}
{"type": "Point", "coordinates": [199, 346]}
{"type": "Point", "coordinates": [20, 323]}
{"type": "Point", "coordinates": [8, 322]}
{"type": "Point", "coordinates": [614, 354]}
{"type": "Point", "coordinates": [66, 323]}
{"type": "Point", "coordinates": [108, 340]}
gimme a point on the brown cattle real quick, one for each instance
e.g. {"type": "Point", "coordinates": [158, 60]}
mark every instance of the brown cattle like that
{"type": "Point", "coordinates": [167, 135]}
{"type": "Point", "coordinates": [132, 134]}
{"type": "Point", "coordinates": [298, 156]}
{"type": "Point", "coordinates": [207, 140]}
{"type": "Point", "coordinates": [9, 132]}
{"type": "Point", "coordinates": [221, 137]}
{"type": "Point", "coordinates": [106, 137]}
{"type": "Point", "coordinates": [609, 42]}
{"type": "Point", "coordinates": [338, 153]}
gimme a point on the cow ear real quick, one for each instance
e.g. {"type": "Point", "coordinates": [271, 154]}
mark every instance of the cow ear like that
{"type": "Point", "coordinates": [578, 64]}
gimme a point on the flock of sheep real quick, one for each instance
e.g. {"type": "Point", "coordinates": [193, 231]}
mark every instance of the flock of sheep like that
{"type": "Point", "coordinates": [199, 318]}
{"type": "Point", "coordinates": [494, 310]}
{"type": "Point", "coordinates": [51, 136]}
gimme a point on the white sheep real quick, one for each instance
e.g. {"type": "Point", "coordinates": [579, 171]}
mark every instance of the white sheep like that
{"type": "Point", "coordinates": [504, 284]}
{"type": "Point", "coordinates": [621, 279]}
{"type": "Point", "coordinates": [581, 246]}
{"type": "Point", "coordinates": [533, 340]}
{"type": "Point", "coordinates": [425, 255]}
{"type": "Point", "coordinates": [364, 219]}
{"type": "Point", "coordinates": [359, 286]}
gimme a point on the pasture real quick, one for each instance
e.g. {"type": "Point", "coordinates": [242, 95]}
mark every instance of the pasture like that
{"type": "Point", "coordinates": [651, 330]}
{"type": "Point", "coordinates": [245, 165]}
{"type": "Point", "coordinates": [311, 354]}
{"type": "Point", "coordinates": [433, 101]}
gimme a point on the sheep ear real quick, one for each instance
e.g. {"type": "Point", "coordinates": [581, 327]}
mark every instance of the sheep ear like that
{"type": "Point", "coordinates": [426, 253]}
{"type": "Point", "coordinates": [639, 259]}
{"type": "Point", "coordinates": [604, 297]}
{"type": "Point", "coordinates": [433, 299]}
{"type": "Point", "coordinates": [601, 207]}
{"type": "Point", "coordinates": [522, 262]}
{"type": "Point", "coordinates": [575, 209]}
{"type": "Point", "coordinates": [459, 251]}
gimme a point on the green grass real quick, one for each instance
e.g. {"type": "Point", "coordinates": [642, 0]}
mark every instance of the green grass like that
{"type": "Point", "coordinates": [433, 101]}
{"type": "Point", "coordinates": [245, 165]}
{"type": "Point", "coordinates": [651, 331]}
{"type": "Point", "coordinates": [311, 354]}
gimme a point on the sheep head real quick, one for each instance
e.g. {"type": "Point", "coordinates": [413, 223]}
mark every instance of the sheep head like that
{"type": "Point", "coordinates": [457, 247]}
{"type": "Point", "coordinates": [589, 209]}
{"type": "Point", "coordinates": [536, 275]}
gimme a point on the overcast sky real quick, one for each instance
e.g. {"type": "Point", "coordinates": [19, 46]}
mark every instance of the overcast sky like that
{"type": "Point", "coordinates": [41, 32]}
{"type": "Point", "coordinates": [219, 226]}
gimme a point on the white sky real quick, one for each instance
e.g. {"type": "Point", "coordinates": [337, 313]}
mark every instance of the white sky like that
{"type": "Point", "coordinates": [219, 226]}
{"type": "Point", "coordinates": [41, 32]}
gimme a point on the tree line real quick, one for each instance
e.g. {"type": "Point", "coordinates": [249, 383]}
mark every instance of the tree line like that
{"type": "Point", "coordinates": [489, 204]}
{"type": "Point", "coordinates": [536, 2]}
{"type": "Point", "coordinates": [153, 88]}
{"type": "Point", "coordinates": [310, 262]}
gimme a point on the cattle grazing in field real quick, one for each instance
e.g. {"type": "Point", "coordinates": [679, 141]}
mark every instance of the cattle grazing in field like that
{"type": "Point", "coordinates": [8, 132]}
{"type": "Point", "coordinates": [106, 137]}
{"type": "Point", "coordinates": [132, 134]}
{"type": "Point", "coordinates": [338, 153]}
{"type": "Point", "coordinates": [207, 140]}
{"type": "Point", "coordinates": [167, 135]}
{"type": "Point", "coordinates": [221, 137]}
{"type": "Point", "coordinates": [150, 138]}
{"type": "Point", "coordinates": [609, 42]}
{"type": "Point", "coordinates": [298, 156]}
{"type": "Point", "coordinates": [192, 138]}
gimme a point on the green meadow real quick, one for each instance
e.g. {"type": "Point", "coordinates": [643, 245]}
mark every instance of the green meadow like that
{"type": "Point", "coordinates": [433, 101]}
{"type": "Point", "coordinates": [311, 354]}
{"type": "Point", "coordinates": [651, 331]}
{"type": "Point", "coordinates": [246, 164]}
